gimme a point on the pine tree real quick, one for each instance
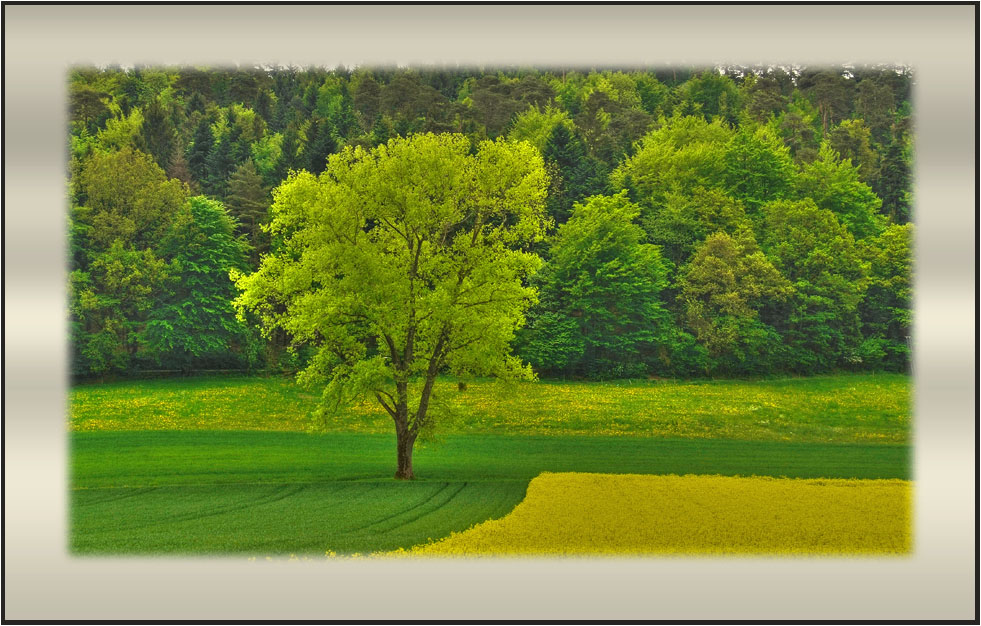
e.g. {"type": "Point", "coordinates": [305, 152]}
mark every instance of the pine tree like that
{"type": "Point", "coordinates": [248, 202]}
{"type": "Point", "coordinates": [581, 174]}
{"type": "Point", "coordinates": [158, 133]}
{"type": "Point", "coordinates": [320, 145]}
{"type": "Point", "coordinates": [894, 182]}
{"type": "Point", "coordinates": [219, 165]}
{"type": "Point", "coordinates": [197, 153]}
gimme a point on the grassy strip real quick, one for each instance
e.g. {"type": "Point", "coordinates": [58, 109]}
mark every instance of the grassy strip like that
{"type": "Point", "coordinates": [845, 408]}
{"type": "Point", "coordinates": [582, 514]}
{"type": "Point", "coordinates": [142, 459]}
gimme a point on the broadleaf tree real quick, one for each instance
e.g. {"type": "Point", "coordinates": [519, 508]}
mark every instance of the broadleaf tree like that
{"type": "Point", "coordinates": [400, 263]}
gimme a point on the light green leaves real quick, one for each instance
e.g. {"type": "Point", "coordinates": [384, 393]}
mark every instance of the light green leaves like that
{"type": "Point", "coordinates": [404, 261]}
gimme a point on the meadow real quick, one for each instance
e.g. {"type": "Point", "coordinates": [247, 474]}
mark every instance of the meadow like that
{"type": "Point", "coordinates": [833, 409]}
{"type": "Point", "coordinates": [226, 465]}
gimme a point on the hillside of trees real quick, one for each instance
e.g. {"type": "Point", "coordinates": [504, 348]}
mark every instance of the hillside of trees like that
{"type": "Point", "coordinates": [707, 222]}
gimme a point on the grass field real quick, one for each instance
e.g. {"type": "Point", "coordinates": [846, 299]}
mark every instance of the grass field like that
{"type": "Point", "coordinates": [602, 514]}
{"type": "Point", "coordinates": [850, 408]}
{"type": "Point", "coordinates": [203, 466]}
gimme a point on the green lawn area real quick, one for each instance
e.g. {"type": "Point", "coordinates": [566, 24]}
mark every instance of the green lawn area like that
{"type": "Point", "coordinates": [204, 466]}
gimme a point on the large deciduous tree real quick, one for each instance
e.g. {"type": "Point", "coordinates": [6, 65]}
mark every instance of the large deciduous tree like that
{"type": "Point", "coordinates": [402, 262]}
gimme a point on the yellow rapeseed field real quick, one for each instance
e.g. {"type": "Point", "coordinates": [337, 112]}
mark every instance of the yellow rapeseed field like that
{"type": "Point", "coordinates": [629, 514]}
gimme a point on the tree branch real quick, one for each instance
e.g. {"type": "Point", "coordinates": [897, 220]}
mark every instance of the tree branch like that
{"type": "Point", "coordinates": [381, 400]}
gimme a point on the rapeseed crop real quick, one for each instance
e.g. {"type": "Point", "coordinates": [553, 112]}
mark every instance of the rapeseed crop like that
{"type": "Point", "coordinates": [630, 514]}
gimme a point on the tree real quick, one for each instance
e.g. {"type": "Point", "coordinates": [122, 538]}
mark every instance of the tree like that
{"type": "Point", "coordinates": [797, 125]}
{"type": "Point", "coordinates": [722, 290]}
{"type": "Point", "coordinates": [894, 182]}
{"type": "Point", "coordinates": [683, 154]}
{"type": "Point", "coordinates": [109, 303]}
{"type": "Point", "coordinates": [602, 287]}
{"type": "Point", "coordinates": [885, 310]}
{"type": "Point", "coordinates": [712, 95]}
{"type": "Point", "coordinates": [577, 174]}
{"type": "Point", "coordinates": [248, 202]}
{"type": "Point", "coordinates": [764, 96]}
{"type": "Point", "coordinates": [129, 198]}
{"type": "Point", "coordinates": [686, 220]}
{"type": "Point", "coordinates": [609, 128]}
{"type": "Point", "coordinates": [831, 92]}
{"type": "Point", "coordinates": [758, 169]}
{"type": "Point", "coordinates": [197, 153]}
{"type": "Point", "coordinates": [852, 140]}
{"type": "Point", "coordinates": [158, 133]}
{"type": "Point", "coordinates": [834, 184]}
{"type": "Point", "coordinates": [320, 144]}
{"type": "Point", "coordinates": [195, 321]}
{"type": "Point", "coordinates": [875, 103]}
{"type": "Point", "coordinates": [129, 209]}
{"type": "Point", "coordinates": [819, 256]}
{"type": "Point", "coordinates": [536, 126]}
{"type": "Point", "coordinates": [400, 263]}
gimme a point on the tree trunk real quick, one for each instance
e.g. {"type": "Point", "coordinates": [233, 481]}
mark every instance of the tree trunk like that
{"type": "Point", "coordinates": [404, 441]}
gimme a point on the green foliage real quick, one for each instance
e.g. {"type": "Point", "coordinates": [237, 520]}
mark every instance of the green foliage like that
{"type": "Point", "coordinates": [851, 139]}
{"type": "Point", "coordinates": [266, 152]}
{"type": "Point", "coordinates": [758, 169]}
{"type": "Point", "coordinates": [536, 126]}
{"type": "Point", "coordinates": [894, 182]}
{"type": "Point", "coordinates": [121, 130]}
{"type": "Point", "coordinates": [129, 198]}
{"type": "Point", "coordinates": [574, 174]}
{"type": "Point", "coordinates": [195, 322]}
{"type": "Point", "coordinates": [711, 95]}
{"type": "Point", "coordinates": [886, 308]}
{"type": "Point", "coordinates": [602, 286]}
{"type": "Point", "coordinates": [834, 185]}
{"type": "Point", "coordinates": [110, 304]}
{"type": "Point", "coordinates": [799, 127]}
{"type": "Point", "coordinates": [197, 152]}
{"type": "Point", "coordinates": [158, 133]}
{"type": "Point", "coordinates": [764, 95]}
{"type": "Point", "coordinates": [686, 220]}
{"type": "Point", "coordinates": [722, 290]}
{"type": "Point", "coordinates": [700, 150]}
{"type": "Point", "coordinates": [683, 154]}
{"type": "Point", "coordinates": [248, 204]}
{"type": "Point", "coordinates": [819, 256]}
{"type": "Point", "coordinates": [402, 262]}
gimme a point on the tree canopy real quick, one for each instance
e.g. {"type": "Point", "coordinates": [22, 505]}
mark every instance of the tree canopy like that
{"type": "Point", "coordinates": [400, 262]}
{"type": "Point", "coordinates": [684, 198]}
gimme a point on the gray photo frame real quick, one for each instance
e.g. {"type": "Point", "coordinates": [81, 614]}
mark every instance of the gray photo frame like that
{"type": "Point", "coordinates": [42, 582]}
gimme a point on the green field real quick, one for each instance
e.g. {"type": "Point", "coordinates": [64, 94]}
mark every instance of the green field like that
{"type": "Point", "coordinates": [166, 479]}
{"type": "Point", "coordinates": [853, 408]}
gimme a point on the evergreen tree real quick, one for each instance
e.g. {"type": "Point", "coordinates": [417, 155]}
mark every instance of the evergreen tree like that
{"type": "Point", "coordinates": [202, 143]}
{"type": "Point", "coordinates": [158, 133]}
{"type": "Point", "coordinates": [580, 174]}
{"type": "Point", "coordinates": [320, 144]}
{"type": "Point", "coordinates": [219, 166]}
{"type": "Point", "coordinates": [893, 183]}
{"type": "Point", "coordinates": [248, 203]}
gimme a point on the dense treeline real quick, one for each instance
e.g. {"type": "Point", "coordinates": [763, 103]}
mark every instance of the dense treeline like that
{"type": "Point", "coordinates": [736, 221]}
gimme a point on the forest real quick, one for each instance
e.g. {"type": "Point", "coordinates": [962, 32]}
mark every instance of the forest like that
{"type": "Point", "coordinates": [729, 221]}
